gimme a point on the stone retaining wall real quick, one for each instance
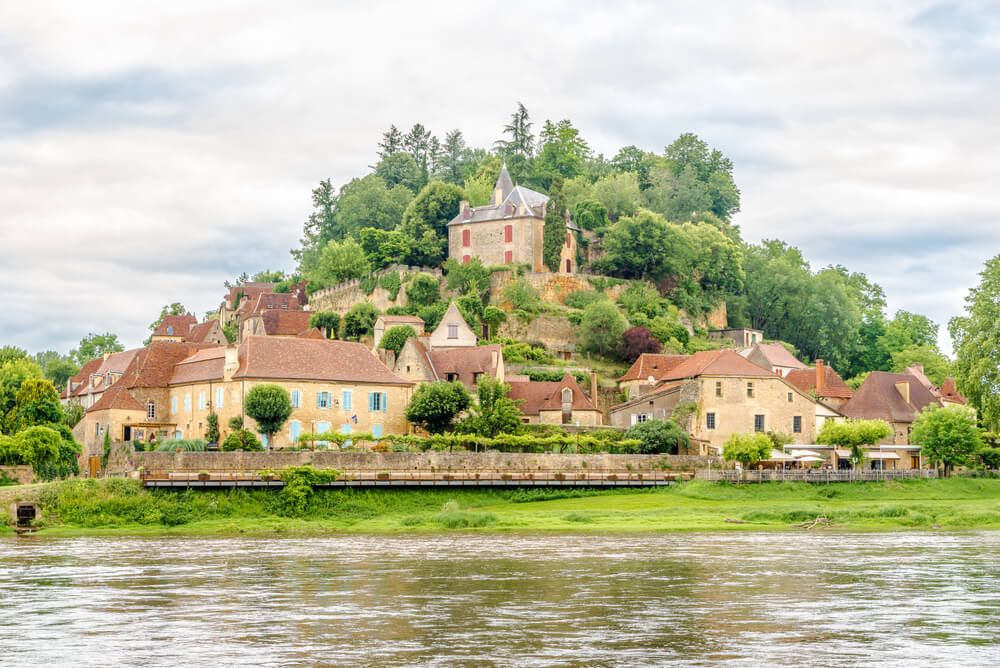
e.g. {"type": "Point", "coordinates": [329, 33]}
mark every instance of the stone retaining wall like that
{"type": "Point", "coordinates": [193, 462]}
{"type": "Point", "coordinates": [24, 475]}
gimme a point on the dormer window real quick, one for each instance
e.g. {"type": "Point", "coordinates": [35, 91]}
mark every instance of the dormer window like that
{"type": "Point", "coordinates": [170, 330]}
{"type": "Point", "coordinates": [567, 395]}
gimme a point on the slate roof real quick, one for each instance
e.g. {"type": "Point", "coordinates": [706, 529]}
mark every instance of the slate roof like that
{"type": "Point", "coordinates": [878, 398]}
{"type": "Point", "coordinates": [513, 196]}
{"type": "Point", "coordinates": [833, 385]}
{"type": "Point", "coordinates": [540, 396]}
{"type": "Point", "coordinates": [312, 359]}
{"type": "Point", "coordinates": [652, 364]}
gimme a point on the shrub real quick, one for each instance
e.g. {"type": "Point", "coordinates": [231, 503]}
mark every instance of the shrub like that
{"type": "Point", "coordinates": [641, 298]}
{"type": "Point", "coordinates": [212, 431]}
{"type": "Point", "coordinates": [241, 439]}
{"type": "Point", "coordinates": [270, 405]}
{"type": "Point", "coordinates": [637, 341]}
{"type": "Point", "coordinates": [359, 320]}
{"type": "Point", "coordinates": [602, 328]}
{"type": "Point", "coordinates": [658, 436]}
{"type": "Point", "coordinates": [395, 337]}
{"type": "Point", "coordinates": [431, 315]}
{"type": "Point", "coordinates": [186, 444]}
{"type": "Point", "coordinates": [367, 284]}
{"type": "Point", "coordinates": [521, 296]}
{"type": "Point", "coordinates": [392, 283]}
{"type": "Point", "coordinates": [746, 448]}
{"type": "Point", "coordinates": [423, 290]}
{"type": "Point", "coordinates": [472, 278]}
{"type": "Point", "coordinates": [236, 422]}
{"type": "Point", "coordinates": [434, 406]}
{"type": "Point", "coordinates": [581, 299]}
{"type": "Point", "coordinates": [326, 319]}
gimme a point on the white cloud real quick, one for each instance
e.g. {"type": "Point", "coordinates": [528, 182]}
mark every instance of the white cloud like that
{"type": "Point", "coordinates": [147, 156]}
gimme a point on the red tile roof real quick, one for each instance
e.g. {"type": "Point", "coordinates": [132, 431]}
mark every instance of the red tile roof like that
{"type": "Point", "coordinates": [203, 366]}
{"type": "Point", "coordinates": [833, 385]}
{"type": "Point", "coordinates": [715, 363]}
{"type": "Point", "coordinates": [249, 290]}
{"type": "Point", "coordinates": [465, 362]}
{"type": "Point", "coordinates": [778, 355]}
{"type": "Point", "coordinates": [272, 301]}
{"type": "Point", "coordinates": [285, 323]}
{"type": "Point", "coordinates": [878, 398]}
{"type": "Point", "coordinates": [312, 359]}
{"type": "Point", "coordinates": [405, 319]}
{"type": "Point", "coordinates": [950, 392]}
{"type": "Point", "coordinates": [175, 325]}
{"type": "Point", "coordinates": [200, 332]}
{"type": "Point", "coordinates": [540, 396]}
{"type": "Point", "coordinates": [652, 364]}
{"type": "Point", "coordinates": [313, 333]}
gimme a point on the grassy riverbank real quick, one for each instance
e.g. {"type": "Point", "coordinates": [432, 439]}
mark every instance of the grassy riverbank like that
{"type": "Point", "coordinates": [122, 507]}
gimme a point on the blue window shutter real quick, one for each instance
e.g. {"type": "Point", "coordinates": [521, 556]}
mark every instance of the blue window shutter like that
{"type": "Point", "coordinates": [371, 401]}
{"type": "Point", "coordinates": [385, 401]}
{"type": "Point", "coordinates": [318, 395]}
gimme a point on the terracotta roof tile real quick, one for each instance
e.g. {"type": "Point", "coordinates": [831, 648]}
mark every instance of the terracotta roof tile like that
{"type": "Point", "coordinates": [652, 364]}
{"type": "Point", "coordinates": [312, 333]}
{"type": "Point", "coordinates": [312, 359]}
{"type": "Point", "coordinates": [405, 319]}
{"type": "Point", "coordinates": [200, 332]}
{"type": "Point", "coordinates": [833, 385]}
{"type": "Point", "coordinates": [176, 325]}
{"type": "Point", "coordinates": [778, 355]}
{"type": "Point", "coordinates": [465, 362]}
{"type": "Point", "coordinates": [878, 398]}
{"type": "Point", "coordinates": [540, 396]}
{"type": "Point", "coordinates": [274, 301]}
{"type": "Point", "coordinates": [204, 365]}
{"type": "Point", "coordinates": [951, 393]}
{"type": "Point", "coordinates": [285, 323]}
{"type": "Point", "coordinates": [715, 363]}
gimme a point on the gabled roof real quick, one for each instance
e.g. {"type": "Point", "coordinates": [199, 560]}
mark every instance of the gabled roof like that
{"type": "Point", "coordinates": [285, 323]}
{"type": "Point", "coordinates": [271, 301]}
{"type": "Point", "coordinates": [512, 198]}
{"type": "Point", "coordinates": [198, 333]}
{"type": "Point", "coordinates": [115, 363]}
{"type": "Point", "coordinates": [652, 364]}
{"type": "Point", "coordinates": [833, 385]}
{"type": "Point", "coordinates": [453, 316]}
{"type": "Point", "coordinates": [950, 393]}
{"type": "Point", "coordinates": [313, 333]}
{"type": "Point", "coordinates": [154, 365]}
{"type": "Point", "coordinates": [204, 365]}
{"type": "Point", "coordinates": [777, 355]}
{"type": "Point", "coordinates": [249, 290]}
{"type": "Point", "coordinates": [118, 397]}
{"type": "Point", "coordinates": [540, 396]}
{"type": "Point", "coordinates": [311, 359]}
{"type": "Point", "coordinates": [715, 363]}
{"type": "Point", "coordinates": [175, 325]}
{"type": "Point", "coordinates": [390, 320]}
{"type": "Point", "coordinates": [465, 362]}
{"type": "Point", "coordinates": [878, 398]}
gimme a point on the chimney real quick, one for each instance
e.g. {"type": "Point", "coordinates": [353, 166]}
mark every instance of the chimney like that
{"type": "Point", "coordinates": [593, 387]}
{"type": "Point", "coordinates": [232, 362]}
{"type": "Point", "coordinates": [390, 358]}
{"type": "Point", "coordinates": [903, 388]}
{"type": "Point", "coordinates": [107, 354]}
{"type": "Point", "coordinates": [820, 376]}
{"type": "Point", "coordinates": [322, 330]}
{"type": "Point", "coordinates": [494, 359]}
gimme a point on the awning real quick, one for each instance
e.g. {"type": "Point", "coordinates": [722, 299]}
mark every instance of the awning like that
{"type": "Point", "coordinates": [810, 459]}
{"type": "Point", "coordinates": [843, 453]}
{"type": "Point", "coordinates": [780, 457]}
{"type": "Point", "coordinates": [874, 454]}
{"type": "Point", "coordinates": [804, 453]}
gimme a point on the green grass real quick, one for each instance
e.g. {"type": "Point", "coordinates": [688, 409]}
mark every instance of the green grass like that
{"type": "Point", "coordinates": [123, 507]}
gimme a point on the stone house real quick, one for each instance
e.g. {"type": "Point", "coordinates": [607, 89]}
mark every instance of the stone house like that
{"type": "Point", "coordinates": [646, 371]}
{"type": "Point", "coordinates": [716, 393]}
{"type": "Point", "coordinates": [452, 331]}
{"type": "Point", "coordinates": [419, 364]}
{"type": "Point", "coordinates": [773, 357]}
{"type": "Point", "coordinates": [508, 230]}
{"type": "Point", "coordinates": [561, 402]}
{"type": "Point", "coordinates": [822, 382]}
{"type": "Point", "coordinates": [275, 323]}
{"type": "Point", "coordinates": [96, 377]}
{"type": "Point", "coordinates": [387, 322]}
{"type": "Point", "coordinates": [742, 337]}
{"type": "Point", "coordinates": [239, 296]}
{"type": "Point", "coordinates": [170, 390]}
{"type": "Point", "coordinates": [186, 328]}
{"type": "Point", "coordinates": [893, 397]}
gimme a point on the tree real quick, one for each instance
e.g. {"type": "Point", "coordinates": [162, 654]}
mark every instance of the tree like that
{"type": "Point", "coordinates": [677, 195]}
{"type": "Point", "coordinates": [601, 328]}
{"type": "Point", "coordinates": [947, 436]}
{"type": "Point", "coordinates": [36, 403]}
{"type": "Point", "coordinates": [320, 226]}
{"type": "Point", "coordinates": [591, 215]}
{"type": "Point", "coordinates": [425, 222]}
{"type": "Point", "coordinates": [936, 366]}
{"type": "Point", "coordinates": [636, 341]}
{"type": "Point", "coordinates": [855, 435]}
{"type": "Point", "coordinates": [747, 449]}
{"type": "Point", "coordinates": [241, 439]}
{"type": "Point", "coordinates": [395, 337]}
{"type": "Point", "coordinates": [618, 193]}
{"type": "Point", "coordinates": [401, 169]}
{"type": "Point", "coordinates": [494, 413]}
{"type": "Point", "coordinates": [421, 145]}
{"type": "Point", "coordinates": [327, 320]}
{"type": "Point", "coordinates": [910, 329]}
{"type": "Point", "coordinates": [493, 316]}
{"type": "Point", "coordinates": [563, 152]}
{"type": "Point", "coordinates": [434, 406]}
{"type": "Point", "coordinates": [212, 428]}
{"type": "Point", "coordinates": [521, 295]}
{"type": "Point", "coordinates": [392, 142]}
{"type": "Point", "coordinates": [642, 246]}
{"type": "Point", "coordinates": [522, 141]}
{"type": "Point", "coordinates": [35, 447]}
{"type": "Point", "coordinates": [57, 368]}
{"type": "Point", "coordinates": [432, 314]}
{"type": "Point", "coordinates": [555, 226]}
{"type": "Point", "coordinates": [270, 406]}
{"type": "Point", "coordinates": [976, 346]}
{"type": "Point", "coordinates": [339, 261]}
{"type": "Point", "coordinates": [423, 290]}
{"type": "Point", "coordinates": [710, 167]}
{"type": "Point", "coordinates": [451, 164]}
{"type": "Point", "coordinates": [93, 346]}
{"type": "Point", "coordinates": [359, 320]}
{"type": "Point", "coordinates": [13, 374]}
{"type": "Point", "coordinates": [479, 186]}
{"type": "Point", "coordinates": [383, 247]}
{"type": "Point", "coordinates": [659, 436]}
{"type": "Point", "coordinates": [12, 354]}
{"type": "Point", "coordinates": [635, 160]}
{"type": "Point", "coordinates": [369, 202]}
{"type": "Point", "coordinates": [468, 279]}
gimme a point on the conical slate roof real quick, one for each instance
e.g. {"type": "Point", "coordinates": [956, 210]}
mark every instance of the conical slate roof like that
{"type": "Point", "coordinates": [504, 182]}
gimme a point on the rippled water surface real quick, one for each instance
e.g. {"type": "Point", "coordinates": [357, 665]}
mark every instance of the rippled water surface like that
{"type": "Point", "coordinates": [493, 599]}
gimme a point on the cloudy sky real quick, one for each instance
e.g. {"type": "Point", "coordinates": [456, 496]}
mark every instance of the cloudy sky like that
{"type": "Point", "coordinates": [147, 156]}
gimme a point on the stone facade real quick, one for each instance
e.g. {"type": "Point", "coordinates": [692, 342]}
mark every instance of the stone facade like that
{"type": "Point", "coordinates": [24, 475]}
{"type": "Point", "coordinates": [486, 240]}
{"type": "Point", "coordinates": [340, 298]}
{"type": "Point", "coordinates": [452, 331]}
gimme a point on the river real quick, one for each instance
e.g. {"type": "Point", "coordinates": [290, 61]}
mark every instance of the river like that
{"type": "Point", "coordinates": [463, 599]}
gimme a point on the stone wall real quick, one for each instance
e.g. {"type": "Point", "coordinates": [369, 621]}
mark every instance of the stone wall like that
{"type": "Point", "coordinates": [194, 462]}
{"type": "Point", "coordinates": [553, 331]}
{"type": "Point", "coordinates": [24, 475]}
{"type": "Point", "coordinates": [551, 287]}
{"type": "Point", "coordinates": [340, 298]}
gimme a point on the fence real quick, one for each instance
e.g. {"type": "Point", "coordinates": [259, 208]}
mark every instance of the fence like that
{"type": "Point", "coordinates": [808, 475]}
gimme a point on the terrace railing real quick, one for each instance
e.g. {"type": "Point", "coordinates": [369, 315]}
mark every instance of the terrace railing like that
{"type": "Point", "coordinates": [812, 475]}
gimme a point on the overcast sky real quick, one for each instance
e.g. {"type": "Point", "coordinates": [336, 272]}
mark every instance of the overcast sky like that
{"type": "Point", "coordinates": [147, 156]}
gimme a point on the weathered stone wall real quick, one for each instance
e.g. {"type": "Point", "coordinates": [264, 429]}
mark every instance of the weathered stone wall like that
{"type": "Point", "coordinates": [340, 298]}
{"type": "Point", "coordinates": [24, 475]}
{"type": "Point", "coordinates": [553, 331]}
{"type": "Point", "coordinates": [551, 287]}
{"type": "Point", "coordinates": [408, 461]}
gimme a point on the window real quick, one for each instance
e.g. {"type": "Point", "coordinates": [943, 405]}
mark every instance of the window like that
{"type": "Point", "coordinates": [465, 259]}
{"type": "Point", "coordinates": [150, 411]}
{"type": "Point", "coordinates": [797, 424]}
{"type": "Point", "coordinates": [322, 400]}
{"type": "Point", "coordinates": [170, 330]}
{"type": "Point", "coordinates": [508, 257]}
{"type": "Point", "coordinates": [758, 423]}
{"type": "Point", "coordinates": [567, 395]}
{"type": "Point", "coordinates": [789, 397]}
{"type": "Point", "coordinates": [476, 375]}
{"type": "Point", "coordinates": [296, 399]}
{"type": "Point", "coordinates": [452, 331]}
{"type": "Point", "coordinates": [218, 397]}
{"type": "Point", "coordinates": [377, 401]}
{"type": "Point", "coordinates": [377, 430]}
{"type": "Point", "coordinates": [173, 404]}
{"type": "Point", "coordinates": [451, 377]}
{"type": "Point", "coordinates": [201, 401]}
{"type": "Point", "coordinates": [508, 233]}
{"type": "Point", "coordinates": [569, 266]}
{"type": "Point", "coordinates": [347, 400]}
{"type": "Point", "coordinates": [718, 388]}
{"type": "Point", "coordinates": [294, 430]}
{"type": "Point", "coordinates": [750, 390]}
{"type": "Point", "coordinates": [466, 238]}
{"type": "Point", "coordinates": [187, 403]}
{"type": "Point", "coordinates": [710, 421]}
{"type": "Point", "coordinates": [640, 417]}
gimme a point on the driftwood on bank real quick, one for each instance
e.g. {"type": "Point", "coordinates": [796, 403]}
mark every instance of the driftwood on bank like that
{"type": "Point", "coordinates": [821, 521]}
{"type": "Point", "coordinates": [732, 521]}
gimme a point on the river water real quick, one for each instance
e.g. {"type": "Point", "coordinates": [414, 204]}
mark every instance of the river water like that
{"type": "Point", "coordinates": [462, 599]}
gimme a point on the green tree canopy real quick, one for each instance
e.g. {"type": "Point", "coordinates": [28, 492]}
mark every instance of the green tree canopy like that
{"type": "Point", "coordinates": [359, 320]}
{"type": "Point", "coordinates": [494, 413]}
{"type": "Point", "coordinates": [601, 328]}
{"type": "Point", "coordinates": [383, 247]}
{"type": "Point", "coordinates": [400, 169]}
{"type": "Point", "coordinates": [659, 436]}
{"type": "Point", "coordinates": [93, 346]}
{"type": "Point", "coordinates": [555, 226]}
{"type": "Point", "coordinates": [747, 449]}
{"type": "Point", "coordinates": [591, 215]}
{"type": "Point", "coordinates": [270, 405]}
{"type": "Point", "coordinates": [618, 193]}
{"type": "Point", "coordinates": [471, 278]}
{"type": "Point", "coordinates": [326, 319]}
{"type": "Point", "coordinates": [369, 202]}
{"type": "Point", "coordinates": [425, 222]}
{"type": "Point", "coordinates": [36, 403]}
{"type": "Point", "coordinates": [947, 436]}
{"type": "Point", "coordinates": [434, 406]}
{"type": "Point", "coordinates": [977, 347]}
{"type": "Point", "coordinates": [395, 337]}
{"type": "Point", "coordinates": [423, 290]}
{"type": "Point", "coordinates": [937, 368]}
{"type": "Point", "coordinates": [339, 261]}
